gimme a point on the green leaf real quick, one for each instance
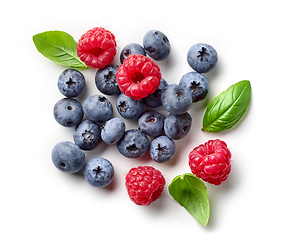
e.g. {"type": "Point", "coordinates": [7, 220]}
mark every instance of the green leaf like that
{"type": "Point", "coordinates": [60, 47]}
{"type": "Point", "coordinates": [225, 110]}
{"type": "Point", "coordinates": [191, 193]}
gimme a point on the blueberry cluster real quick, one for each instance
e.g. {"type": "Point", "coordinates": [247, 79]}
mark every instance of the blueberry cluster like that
{"type": "Point", "coordinates": [97, 109]}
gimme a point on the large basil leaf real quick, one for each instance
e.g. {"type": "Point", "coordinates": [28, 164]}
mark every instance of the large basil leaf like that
{"type": "Point", "coordinates": [191, 193]}
{"type": "Point", "coordinates": [60, 47]}
{"type": "Point", "coordinates": [225, 110]}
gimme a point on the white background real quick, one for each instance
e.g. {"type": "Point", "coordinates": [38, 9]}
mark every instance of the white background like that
{"type": "Point", "coordinates": [40, 202]}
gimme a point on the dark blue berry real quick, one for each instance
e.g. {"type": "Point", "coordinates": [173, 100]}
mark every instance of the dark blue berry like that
{"type": "Point", "coordinates": [99, 172]}
{"type": "Point", "coordinates": [113, 130]}
{"type": "Point", "coordinates": [87, 135]}
{"type": "Point", "coordinates": [106, 80]}
{"type": "Point", "coordinates": [162, 149]}
{"type": "Point", "coordinates": [71, 82]}
{"type": "Point", "coordinates": [133, 144]}
{"type": "Point", "coordinates": [68, 112]}
{"type": "Point", "coordinates": [156, 45]}
{"type": "Point", "coordinates": [202, 57]}
{"type": "Point", "coordinates": [131, 49]}
{"type": "Point", "coordinates": [68, 157]}
{"type": "Point", "coordinates": [97, 108]}
{"type": "Point", "coordinates": [151, 123]}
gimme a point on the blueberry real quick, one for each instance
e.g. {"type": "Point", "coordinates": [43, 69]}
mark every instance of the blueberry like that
{"type": "Point", "coordinates": [106, 80]}
{"type": "Point", "coordinates": [87, 135]}
{"type": "Point", "coordinates": [71, 82]}
{"type": "Point", "coordinates": [68, 112]}
{"type": "Point", "coordinates": [177, 126]}
{"type": "Point", "coordinates": [97, 108]}
{"type": "Point", "coordinates": [113, 130]}
{"type": "Point", "coordinates": [151, 123]}
{"type": "Point", "coordinates": [197, 84]}
{"type": "Point", "coordinates": [68, 157]}
{"type": "Point", "coordinates": [154, 99]}
{"type": "Point", "coordinates": [162, 149]}
{"type": "Point", "coordinates": [128, 107]}
{"type": "Point", "coordinates": [156, 45]}
{"type": "Point", "coordinates": [131, 49]}
{"type": "Point", "coordinates": [176, 99]}
{"type": "Point", "coordinates": [133, 144]}
{"type": "Point", "coordinates": [99, 172]}
{"type": "Point", "coordinates": [202, 57]}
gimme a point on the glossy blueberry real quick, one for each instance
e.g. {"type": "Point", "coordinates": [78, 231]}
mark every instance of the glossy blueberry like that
{"type": "Point", "coordinates": [68, 112]}
{"type": "Point", "coordinates": [154, 99]}
{"type": "Point", "coordinates": [156, 45]}
{"type": "Point", "coordinates": [131, 49]}
{"type": "Point", "coordinates": [197, 84]}
{"type": "Point", "coordinates": [151, 123]}
{"type": "Point", "coordinates": [105, 80]}
{"type": "Point", "coordinates": [162, 149]}
{"type": "Point", "coordinates": [128, 107]}
{"type": "Point", "coordinates": [176, 99]}
{"type": "Point", "coordinates": [97, 108]}
{"type": "Point", "coordinates": [133, 144]}
{"type": "Point", "coordinates": [71, 82]}
{"type": "Point", "coordinates": [113, 130]}
{"type": "Point", "coordinates": [202, 57]}
{"type": "Point", "coordinates": [68, 157]}
{"type": "Point", "coordinates": [87, 135]}
{"type": "Point", "coordinates": [177, 126]}
{"type": "Point", "coordinates": [99, 172]}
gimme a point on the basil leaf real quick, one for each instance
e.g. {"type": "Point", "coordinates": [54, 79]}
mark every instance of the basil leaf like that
{"type": "Point", "coordinates": [191, 193]}
{"type": "Point", "coordinates": [225, 110]}
{"type": "Point", "coordinates": [60, 47]}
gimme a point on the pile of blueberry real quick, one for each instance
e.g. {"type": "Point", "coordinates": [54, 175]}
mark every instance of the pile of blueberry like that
{"type": "Point", "coordinates": [100, 126]}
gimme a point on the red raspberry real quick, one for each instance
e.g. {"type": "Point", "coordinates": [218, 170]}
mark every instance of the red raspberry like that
{"type": "Point", "coordinates": [97, 47]}
{"type": "Point", "coordinates": [211, 161]}
{"type": "Point", "coordinates": [138, 76]}
{"type": "Point", "coordinates": [144, 184]}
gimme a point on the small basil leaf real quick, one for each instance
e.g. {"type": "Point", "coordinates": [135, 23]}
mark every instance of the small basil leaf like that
{"type": "Point", "coordinates": [59, 47]}
{"type": "Point", "coordinates": [225, 110]}
{"type": "Point", "coordinates": [191, 193]}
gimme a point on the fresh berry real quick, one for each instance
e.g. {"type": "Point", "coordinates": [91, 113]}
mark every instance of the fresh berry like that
{"type": "Point", "coordinates": [71, 82]}
{"type": "Point", "coordinates": [97, 108]}
{"type": "Point", "coordinates": [68, 157]}
{"type": "Point", "coordinates": [97, 47]}
{"type": "Point", "coordinates": [128, 107]}
{"type": "Point", "coordinates": [105, 80]}
{"type": "Point", "coordinates": [87, 135]}
{"type": "Point", "coordinates": [68, 112]}
{"type": "Point", "coordinates": [133, 144]}
{"type": "Point", "coordinates": [211, 161]}
{"type": "Point", "coordinates": [131, 49]}
{"type": "Point", "coordinates": [197, 84]}
{"type": "Point", "coordinates": [144, 184]}
{"type": "Point", "coordinates": [138, 76]}
{"type": "Point", "coordinates": [154, 99]}
{"type": "Point", "coordinates": [113, 130]}
{"type": "Point", "coordinates": [176, 99]}
{"type": "Point", "coordinates": [162, 149]}
{"type": "Point", "coordinates": [177, 126]}
{"type": "Point", "coordinates": [151, 123]}
{"type": "Point", "coordinates": [156, 45]}
{"type": "Point", "coordinates": [202, 57]}
{"type": "Point", "coordinates": [99, 172]}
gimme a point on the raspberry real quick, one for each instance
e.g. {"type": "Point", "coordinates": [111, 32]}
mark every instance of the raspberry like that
{"type": "Point", "coordinates": [144, 184]}
{"type": "Point", "coordinates": [138, 76]}
{"type": "Point", "coordinates": [211, 161]}
{"type": "Point", "coordinates": [97, 47]}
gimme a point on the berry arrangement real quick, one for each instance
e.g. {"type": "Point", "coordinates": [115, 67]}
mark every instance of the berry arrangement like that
{"type": "Point", "coordinates": [138, 82]}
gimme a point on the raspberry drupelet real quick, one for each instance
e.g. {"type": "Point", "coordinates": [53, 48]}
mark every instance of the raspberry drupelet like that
{"type": "Point", "coordinates": [138, 76]}
{"type": "Point", "coordinates": [97, 47]}
{"type": "Point", "coordinates": [211, 161]}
